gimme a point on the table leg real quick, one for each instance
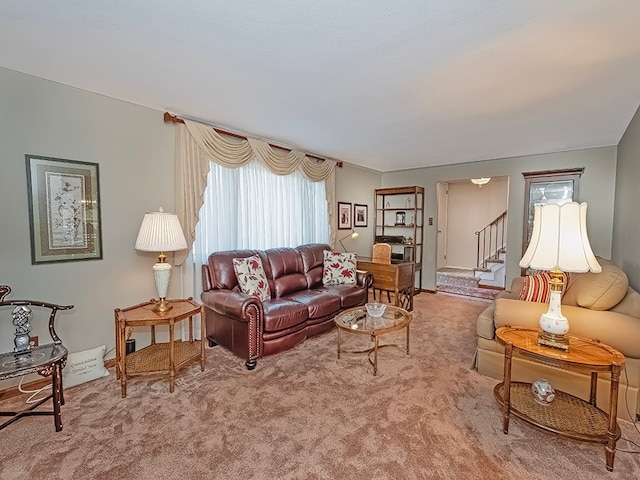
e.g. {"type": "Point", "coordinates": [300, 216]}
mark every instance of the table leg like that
{"type": "Point", "coordinates": [506, 409]}
{"type": "Point", "coordinates": [56, 376]}
{"type": "Point", "coordinates": [610, 448]}
{"type": "Point", "coordinates": [338, 343]}
{"type": "Point", "coordinates": [594, 388]}
{"type": "Point", "coordinates": [202, 336]}
{"type": "Point", "coordinates": [172, 367]}
{"type": "Point", "coordinates": [117, 330]}
{"type": "Point", "coordinates": [407, 339]}
{"type": "Point", "coordinates": [375, 355]}
{"type": "Point", "coordinates": [122, 360]}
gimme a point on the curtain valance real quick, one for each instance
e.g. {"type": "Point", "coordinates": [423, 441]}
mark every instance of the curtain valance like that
{"type": "Point", "coordinates": [235, 152]}
{"type": "Point", "coordinates": [197, 144]}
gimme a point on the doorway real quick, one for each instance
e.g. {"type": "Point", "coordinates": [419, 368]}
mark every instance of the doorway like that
{"type": "Point", "coordinates": [464, 210]}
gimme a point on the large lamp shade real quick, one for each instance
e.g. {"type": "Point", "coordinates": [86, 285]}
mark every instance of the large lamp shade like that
{"type": "Point", "coordinates": [161, 232]}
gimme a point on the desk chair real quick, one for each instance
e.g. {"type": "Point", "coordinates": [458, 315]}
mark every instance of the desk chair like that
{"type": "Point", "coordinates": [381, 254]}
{"type": "Point", "coordinates": [47, 360]}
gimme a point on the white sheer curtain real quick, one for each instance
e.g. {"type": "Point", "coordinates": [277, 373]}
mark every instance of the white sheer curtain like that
{"type": "Point", "coordinates": [252, 208]}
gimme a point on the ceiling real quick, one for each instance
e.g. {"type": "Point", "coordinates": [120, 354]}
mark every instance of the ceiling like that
{"type": "Point", "coordinates": [388, 85]}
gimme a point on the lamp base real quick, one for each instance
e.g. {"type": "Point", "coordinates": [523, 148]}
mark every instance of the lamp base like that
{"type": "Point", "coordinates": [162, 306]}
{"type": "Point", "coordinates": [560, 341]}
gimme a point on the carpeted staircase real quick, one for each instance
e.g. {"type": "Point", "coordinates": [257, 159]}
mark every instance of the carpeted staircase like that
{"type": "Point", "coordinates": [462, 281]}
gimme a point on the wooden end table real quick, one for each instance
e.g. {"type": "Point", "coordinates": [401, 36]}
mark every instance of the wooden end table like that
{"type": "Point", "coordinates": [566, 415]}
{"type": "Point", "coordinates": [157, 358]}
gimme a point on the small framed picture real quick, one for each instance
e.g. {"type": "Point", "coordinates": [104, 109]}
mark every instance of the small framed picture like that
{"type": "Point", "coordinates": [360, 215]}
{"type": "Point", "coordinates": [64, 210]}
{"type": "Point", "coordinates": [344, 216]}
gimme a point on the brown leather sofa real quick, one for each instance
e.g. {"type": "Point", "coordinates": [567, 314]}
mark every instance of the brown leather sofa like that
{"type": "Point", "coordinates": [300, 305]}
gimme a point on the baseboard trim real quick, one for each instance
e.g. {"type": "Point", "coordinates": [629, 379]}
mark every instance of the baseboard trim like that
{"type": "Point", "coordinates": [14, 391]}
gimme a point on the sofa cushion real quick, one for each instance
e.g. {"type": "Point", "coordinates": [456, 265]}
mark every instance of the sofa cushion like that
{"type": "Point", "coordinates": [535, 288]}
{"type": "Point", "coordinates": [313, 262]}
{"type": "Point", "coordinates": [339, 268]}
{"type": "Point", "coordinates": [598, 291]}
{"type": "Point", "coordinates": [350, 295]}
{"type": "Point", "coordinates": [287, 271]}
{"type": "Point", "coordinates": [319, 301]}
{"type": "Point", "coordinates": [281, 314]}
{"type": "Point", "coordinates": [251, 277]}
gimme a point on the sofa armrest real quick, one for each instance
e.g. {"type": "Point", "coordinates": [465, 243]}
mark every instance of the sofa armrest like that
{"type": "Point", "coordinates": [485, 326]}
{"type": "Point", "coordinates": [364, 278]}
{"type": "Point", "coordinates": [229, 303]}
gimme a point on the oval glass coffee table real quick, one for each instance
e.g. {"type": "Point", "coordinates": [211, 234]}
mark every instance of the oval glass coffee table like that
{"type": "Point", "coordinates": [357, 321]}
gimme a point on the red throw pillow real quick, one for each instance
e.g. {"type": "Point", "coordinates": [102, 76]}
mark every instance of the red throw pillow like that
{"type": "Point", "coordinates": [535, 288]}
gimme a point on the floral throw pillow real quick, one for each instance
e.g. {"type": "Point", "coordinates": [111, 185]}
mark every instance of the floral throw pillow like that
{"type": "Point", "coordinates": [339, 268]}
{"type": "Point", "coordinates": [251, 277]}
{"type": "Point", "coordinates": [535, 288]}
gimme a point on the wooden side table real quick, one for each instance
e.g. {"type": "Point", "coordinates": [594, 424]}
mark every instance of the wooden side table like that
{"type": "Point", "coordinates": [157, 358]}
{"type": "Point", "coordinates": [566, 415]}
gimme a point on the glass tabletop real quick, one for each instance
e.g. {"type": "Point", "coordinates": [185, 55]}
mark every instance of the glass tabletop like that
{"type": "Point", "coordinates": [358, 321]}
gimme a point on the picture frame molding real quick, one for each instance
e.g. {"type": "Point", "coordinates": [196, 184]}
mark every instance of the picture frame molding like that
{"type": "Point", "coordinates": [365, 209]}
{"type": "Point", "coordinates": [345, 214]}
{"type": "Point", "coordinates": [64, 209]}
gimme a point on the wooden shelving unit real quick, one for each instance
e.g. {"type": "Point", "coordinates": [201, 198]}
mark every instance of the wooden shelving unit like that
{"type": "Point", "coordinates": [400, 212]}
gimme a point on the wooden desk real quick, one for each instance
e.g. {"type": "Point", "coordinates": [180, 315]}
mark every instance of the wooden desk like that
{"type": "Point", "coordinates": [395, 277]}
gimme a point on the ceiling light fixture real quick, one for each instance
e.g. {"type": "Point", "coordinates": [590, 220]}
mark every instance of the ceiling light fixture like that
{"type": "Point", "coordinates": [480, 181]}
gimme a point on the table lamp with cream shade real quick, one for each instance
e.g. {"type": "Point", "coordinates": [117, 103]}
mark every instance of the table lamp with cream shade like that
{"type": "Point", "coordinates": [161, 232]}
{"type": "Point", "coordinates": [559, 243]}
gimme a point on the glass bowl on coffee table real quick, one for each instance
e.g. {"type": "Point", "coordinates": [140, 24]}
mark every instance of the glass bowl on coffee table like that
{"type": "Point", "coordinates": [357, 321]}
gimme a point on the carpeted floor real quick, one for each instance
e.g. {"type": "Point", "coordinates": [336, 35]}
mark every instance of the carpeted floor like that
{"type": "Point", "coordinates": [304, 414]}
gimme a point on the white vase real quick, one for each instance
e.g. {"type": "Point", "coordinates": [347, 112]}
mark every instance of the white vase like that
{"type": "Point", "coordinates": [543, 392]}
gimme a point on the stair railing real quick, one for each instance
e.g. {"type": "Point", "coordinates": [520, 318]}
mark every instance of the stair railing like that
{"type": "Point", "coordinates": [491, 240]}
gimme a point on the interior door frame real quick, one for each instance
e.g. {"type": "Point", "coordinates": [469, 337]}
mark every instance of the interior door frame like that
{"type": "Point", "coordinates": [442, 194]}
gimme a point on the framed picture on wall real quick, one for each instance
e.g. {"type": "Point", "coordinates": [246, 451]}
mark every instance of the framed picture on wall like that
{"type": "Point", "coordinates": [344, 216]}
{"type": "Point", "coordinates": [360, 215]}
{"type": "Point", "coordinates": [64, 210]}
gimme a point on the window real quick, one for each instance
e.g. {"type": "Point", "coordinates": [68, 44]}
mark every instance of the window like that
{"type": "Point", "coordinates": [252, 208]}
{"type": "Point", "coordinates": [552, 186]}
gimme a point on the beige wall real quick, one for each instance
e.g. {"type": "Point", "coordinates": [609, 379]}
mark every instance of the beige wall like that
{"type": "Point", "coordinates": [356, 185]}
{"type": "Point", "coordinates": [596, 187]}
{"type": "Point", "coordinates": [626, 223]}
{"type": "Point", "coordinates": [134, 150]}
{"type": "Point", "coordinates": [470, 209]}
